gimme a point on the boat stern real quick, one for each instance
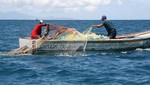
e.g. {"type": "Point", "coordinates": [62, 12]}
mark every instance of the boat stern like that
{"type": "Point", "coordinates": [26, 42]}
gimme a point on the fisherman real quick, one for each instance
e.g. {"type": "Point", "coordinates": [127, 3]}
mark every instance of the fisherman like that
{"type": "Point", "coordinates": [36, 32]}
{"type": "Point", "coordinates": [109, 27]}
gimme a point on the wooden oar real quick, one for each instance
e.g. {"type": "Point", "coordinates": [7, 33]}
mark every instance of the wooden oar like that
{"type": "Point", "coordinates": [133, 35]}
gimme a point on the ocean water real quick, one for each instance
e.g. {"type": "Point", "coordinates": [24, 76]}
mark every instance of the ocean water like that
{"type": "Point", "coordinates": [78, 68]}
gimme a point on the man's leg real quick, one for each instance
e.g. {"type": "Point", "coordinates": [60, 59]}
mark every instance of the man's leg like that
{"type": "Point", "coordinates": [113, 34]}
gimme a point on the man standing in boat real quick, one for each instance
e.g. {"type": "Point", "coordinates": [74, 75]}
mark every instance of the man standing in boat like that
{"type": "Point", "coordinates": [36, 32]}
{"type": "Point", "coordinates": [109, 27]}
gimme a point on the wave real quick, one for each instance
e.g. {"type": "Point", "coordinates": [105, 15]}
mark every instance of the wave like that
{"type": "Point", "coordinates": [142, 49]}
{"type": "Point", "coordinates": [73, 54]}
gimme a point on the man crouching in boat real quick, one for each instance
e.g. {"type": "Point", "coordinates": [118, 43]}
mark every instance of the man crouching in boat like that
{"type": "Point", "coordinates": [36, 32]}
{"type": "Point", "coordinates": [109, 27]}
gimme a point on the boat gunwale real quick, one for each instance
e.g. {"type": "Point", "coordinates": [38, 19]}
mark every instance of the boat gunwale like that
{"type": "Point", "coordinates": [102, 41]}
{"type": "Point", "coordinates": [99, 41]}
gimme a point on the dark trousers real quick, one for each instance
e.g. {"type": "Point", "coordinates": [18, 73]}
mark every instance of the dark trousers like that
{"type": "Point", "coordinates": [112, 34]}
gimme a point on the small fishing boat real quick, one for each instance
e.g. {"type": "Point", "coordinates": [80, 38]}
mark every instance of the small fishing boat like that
{"type": "Point", "coordinates": [124, 42]}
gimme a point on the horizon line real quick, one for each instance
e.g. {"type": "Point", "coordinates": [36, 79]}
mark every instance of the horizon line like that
{"type": "Point", "coordinates": [74, 19]}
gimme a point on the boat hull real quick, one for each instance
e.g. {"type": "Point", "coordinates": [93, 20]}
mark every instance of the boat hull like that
{"type": "Point", "coordinates": [83, 45]}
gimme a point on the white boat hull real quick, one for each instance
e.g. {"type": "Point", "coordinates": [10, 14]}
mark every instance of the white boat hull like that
{"type": "Point", "coordinates": [92, 45]}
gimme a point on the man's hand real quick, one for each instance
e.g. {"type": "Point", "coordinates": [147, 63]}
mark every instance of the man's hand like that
{"type": "Point", "coordinates": [94, 25]}
{"type": "Point", "coordinates": [98, 26]}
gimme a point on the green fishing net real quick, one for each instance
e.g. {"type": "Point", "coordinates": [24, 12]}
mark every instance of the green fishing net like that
{"type": "Point", "coordinates": [85, 35]}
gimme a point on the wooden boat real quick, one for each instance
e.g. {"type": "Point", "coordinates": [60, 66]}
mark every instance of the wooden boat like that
{"type": "Point", "coordinates": [124, 42]}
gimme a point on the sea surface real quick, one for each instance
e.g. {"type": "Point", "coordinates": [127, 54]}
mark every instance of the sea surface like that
{"type": "Point", "coordinates": [78, 68]}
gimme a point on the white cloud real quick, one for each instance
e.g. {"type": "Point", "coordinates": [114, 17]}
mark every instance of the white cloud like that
{"type": "Point", "coordinates": [120, 2]}
{"type": "Point", "coordinates": [72, 9]}
{"type": "Point", "coordinates": [8, 1]}
{"type": "Point", "coordinates": [75, 8]}
{"type": "Point", "coordinates": [74, 5]}
{"type": "Point", "coordinates": [106, 2]}
{"type": "Point", "coordinates": [40, 2]}
{"type": "Point", "coordinates": [91, 8]}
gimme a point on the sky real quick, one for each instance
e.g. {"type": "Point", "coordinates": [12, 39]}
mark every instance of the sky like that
{"type": "Point", "coordinates": [75, 9]}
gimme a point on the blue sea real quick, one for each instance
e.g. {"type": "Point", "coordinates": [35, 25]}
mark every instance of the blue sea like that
{"type": "Point", "coordinates": [78, 68]}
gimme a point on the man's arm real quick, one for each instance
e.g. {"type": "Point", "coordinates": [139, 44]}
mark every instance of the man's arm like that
{"type": "Point", "coordinates": [98, 26]}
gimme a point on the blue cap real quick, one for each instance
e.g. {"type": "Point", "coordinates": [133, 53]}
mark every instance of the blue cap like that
{"type": "Point", "coordinates": [104, 17]}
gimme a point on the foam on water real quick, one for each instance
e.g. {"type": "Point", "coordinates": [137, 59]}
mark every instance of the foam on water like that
{"type": "Point", "coordinates": [73, 54]}
{"type": "Point", "coordinates": [140, 49]}
{"type": "Point", "coordinates": [124, 52]}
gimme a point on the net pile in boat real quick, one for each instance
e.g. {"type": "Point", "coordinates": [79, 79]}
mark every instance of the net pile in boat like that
{"type": "Point", "coordinates": [80, 36]}
{"type": "Point", "coordinates": [85, 37]}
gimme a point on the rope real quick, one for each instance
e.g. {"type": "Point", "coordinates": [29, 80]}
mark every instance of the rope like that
{"type": "Point", "coordinates": [85, 45]}
{"type": "Point", "coordinates": [87, 31]}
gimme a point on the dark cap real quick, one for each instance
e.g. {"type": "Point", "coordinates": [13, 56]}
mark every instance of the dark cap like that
{"type": "Point", "coordinates": [103, 17]}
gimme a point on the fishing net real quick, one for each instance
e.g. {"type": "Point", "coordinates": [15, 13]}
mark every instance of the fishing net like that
{"type": "Point", "coordinates": [87, 31]}
{"type": "Point", "coordinates": [69, 37]}
{"type": "Point", "coordinates": [77, 36]}
{"type": "Point", "coordinates": [86, 35]}
{"type": "Point", "coordinates": [26, 49]}
{"type": "Point", "coordinates": [66, 35]}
